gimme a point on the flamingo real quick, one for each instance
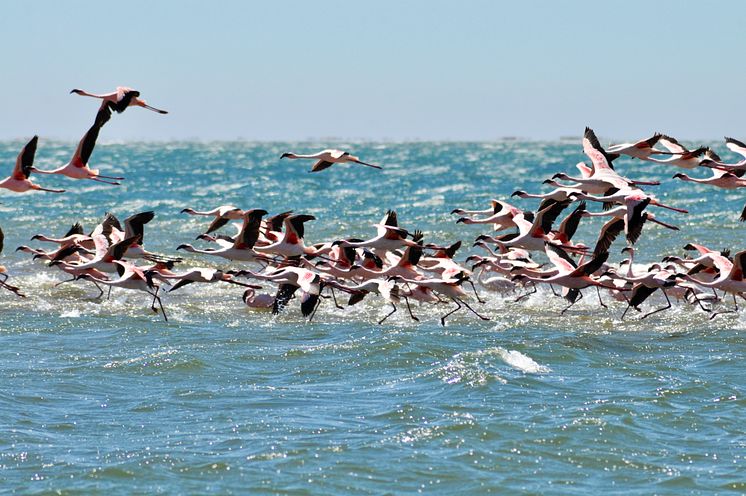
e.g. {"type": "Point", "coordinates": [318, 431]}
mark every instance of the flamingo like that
{"type": "Point", "coordinates": [640, 149]}
{"type": "Point", "coordinates": [242, 247]}
{"type": "Point", "coordinates": [389, 236]}
{"type": "Point", "coordinates": [629, 218]}
{"type": "Point", "coordinates": [291, 243]}
{"type": "Point", "coordinates": [259, 301]}
{"type": "Point", "coordinates": [326, 158]}
{"type": "Point", "coordinates": [223, 214]}
{"type": "Point", "coordinates": [730, 278]}
{"type": "Point", "coordinates": [19, 181]}
{"type": "Point", "coordinates": [4, 271]}
{"type": "Point", "coordinates": [657, 277]}
{"type": "Point", "coordinates": [132, 277]}
{"type": "Point", "coordinates": [569, 275]}
{"type": "Point", "coordinates": [500, 215]}
{"type": "Point", "coordinates": [120, 99]}
{"type": "Point", "coordinates": [720, 178]}
{"type": "Point", "coordinates": [681, 157]}
{"type": "Point", "coordinates": [78, 168]}
{"type": "Point", "coordinates": [450, 288]}
{"type": "Point", "coordinates": [386, 288]}
{"type": "Point", "coordinates": [712, 160]}
{"type": "Point", "coordinates": [195, 274]}
{"type": "Point", "coordinates": [105, 258]}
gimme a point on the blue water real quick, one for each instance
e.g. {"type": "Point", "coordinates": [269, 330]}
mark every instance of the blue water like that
{"type": "Point", "coordinates": [104, 396]}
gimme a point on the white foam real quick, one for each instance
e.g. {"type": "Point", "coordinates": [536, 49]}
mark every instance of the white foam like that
{"type": "Point", "coordinates": [518, 360]}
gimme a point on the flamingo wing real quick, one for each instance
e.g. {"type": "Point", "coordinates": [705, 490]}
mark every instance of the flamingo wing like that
{"type": "Point", "coordinates": [608, 234]}
{"type": "Point", "coordinates": [124, 98]}
{"type": "Point", "coordinates": [135, 225]}
{"type": "Point", "coordinates": [736, 146]}
{"type": "Point", "coordinates": [593, 149]}
{"type": "Point", "coordinates": [25, 160]}
{"type": "Point", "coordinates": [249, 234]}
{"type": "Point", "coordinates": [671, 144]}
{"type": "Point", "coordinates": [321, 165]}
{"type": "Point", "coordinates": [560, 258]}
{"type": "Point", "coordinates": [88, 142]}
{"type": "Point", "coordinates": [284, 293]}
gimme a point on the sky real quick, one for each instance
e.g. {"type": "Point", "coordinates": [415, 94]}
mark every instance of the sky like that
{"type": "Point", "coordinates": [383, 70]}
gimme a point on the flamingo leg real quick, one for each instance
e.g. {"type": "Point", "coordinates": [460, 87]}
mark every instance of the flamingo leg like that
{"type": "Point", "coordinates": [12, 289]}
{"type": "Point", "coordinates": [316, 307]}
{"type": "Point", "coordinates": [580, 297]}
{"type": "Point", "coordinates": [458, 307]}
{"type": "Point", "coordinates": [389, 315]}
{"type": "Point", "coordinates": [406, 300]}
{"type": "Point", "coordinates": [102, 181]}
{"type": "Point", "coordinates": [154, 109]}
{"type": "Point", "coordinates": [48, 190]}
{"type": "Point", "coordinates": [369, 165]}
{"type": "Point", "coordinates": [152, 305]}
{"type": "Point", "coordinates": [554, 291]}
{"type": "Point", "coordinates": [334, 297]}
{"type": "Point", "coordinates": [160, 303]}
{"type": "Point", "coordinates": [111, 177]}
{"type": "Point", "coordinates": [668, 305]}
{"type": "Point", "coordinates": [473, 311]}
{"type": "Point", "coordinates": [600, 301]}
{"type": "Point", "coordinates": [480, 300]}
{"type": "Point", "coordinates": [66, 280]}
{"type": "Point", "coordinates": [735, 309]}
{"type": "Point", "coordinates": [526, 295]}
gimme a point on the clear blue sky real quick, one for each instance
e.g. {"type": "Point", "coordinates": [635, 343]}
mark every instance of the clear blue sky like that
{"type": "Point", "coordinates": [296, 70]}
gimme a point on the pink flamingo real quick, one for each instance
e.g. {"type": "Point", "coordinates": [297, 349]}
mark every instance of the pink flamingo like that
{"type": "Point", "coordinates": [120, 99]}
{"type": "Point", "coordinates": [78, 168]}
{"type": "Point", "coordinates": [19, 181]}
{"type": "Point", "coordinates": [326, 158]}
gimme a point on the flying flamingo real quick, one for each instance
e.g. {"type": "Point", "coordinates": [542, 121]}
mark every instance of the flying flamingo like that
{"type": "Point", "coordinates": [569, 275]}
{"type": "Point", "coordinates": [657, 277]}
{"type": "Point", "coordinates": [640, 149]}
{"type": "Point", "coordinates": [223, 214]}
{"type": "Point", "coordinates": [326, 158]}
{"type": "Point", "coordinates": [132, 277]}
{"type": "Point", "coordinates": [241, 248]}
{"type": "Point", "coordinates": [712, 160]}
{"type": "Point", "coordinates": [19, 181]}
{"type": "Point", "coordinates": [686, 159]}
{"type": "Point", "coordinates": [4, 272]}
{"type": "Point", "coordinates": [120, 99]}
{"type": "Point", "coordinates": [387, 289]}
{"type": "Point", "coordinates": [730, 278]}
{"type": "Point", "coordinates": [78, 168]}
{"type": "Point", "coordinates": [447, 287]}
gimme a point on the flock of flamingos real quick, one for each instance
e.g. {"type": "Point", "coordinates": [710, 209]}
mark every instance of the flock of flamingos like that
{"type": "Point", "coordinates": [397, 264]}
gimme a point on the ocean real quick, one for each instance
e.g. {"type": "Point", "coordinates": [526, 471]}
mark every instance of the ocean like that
{"type": "Point", "coordinates": [104, 396]}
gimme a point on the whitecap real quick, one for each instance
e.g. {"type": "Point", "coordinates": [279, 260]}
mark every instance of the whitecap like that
{"type": "Point", "coordinates": [518, 360]}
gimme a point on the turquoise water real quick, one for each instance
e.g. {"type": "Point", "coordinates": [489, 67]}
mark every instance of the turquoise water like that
{"type": "Point", "coordinates": [105, 396]}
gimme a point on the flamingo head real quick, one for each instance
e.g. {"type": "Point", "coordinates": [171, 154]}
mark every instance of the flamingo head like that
{"type": "Point", "coordinates": [518, 193]}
